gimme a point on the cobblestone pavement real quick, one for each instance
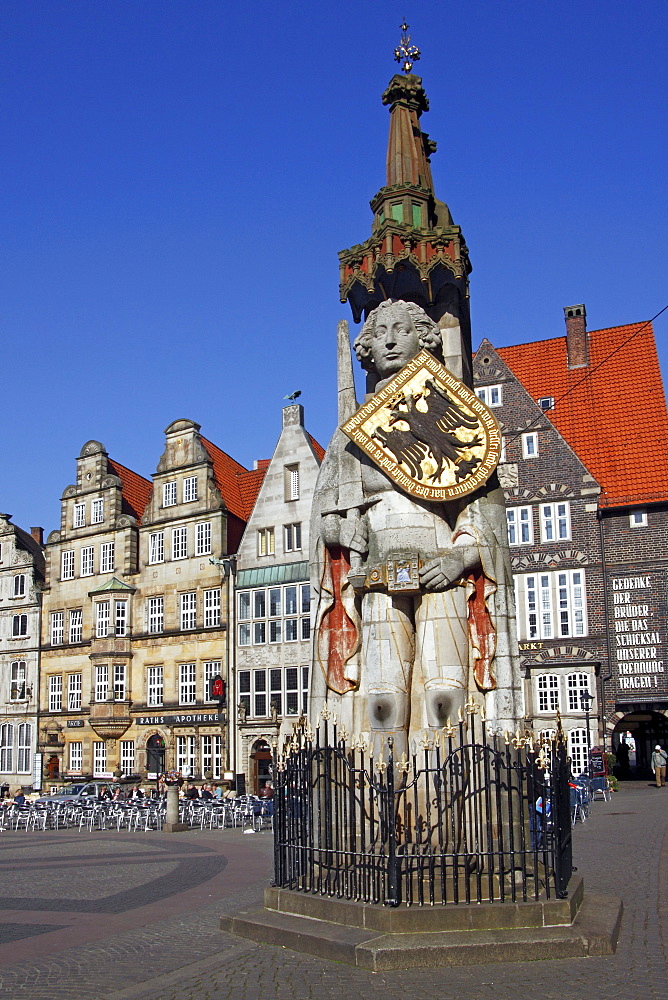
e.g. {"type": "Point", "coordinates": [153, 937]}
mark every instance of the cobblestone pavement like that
{"type": "Point", "coordinates": [154, 934]}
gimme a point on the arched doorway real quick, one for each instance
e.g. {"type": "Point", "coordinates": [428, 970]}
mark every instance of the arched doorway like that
{"type": "Point", "coordinates": [640, 731]}
{"type": "Point", "coordinates": [155, 754]}
{"type": "Point", "coordinates": [261, 757]}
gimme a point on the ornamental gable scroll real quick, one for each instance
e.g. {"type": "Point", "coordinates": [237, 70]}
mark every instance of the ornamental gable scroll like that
{"type": "Point", "coordinates": [428, 432]}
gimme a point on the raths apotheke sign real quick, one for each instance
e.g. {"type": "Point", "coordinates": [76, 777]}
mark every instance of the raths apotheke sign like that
{"type": "Point", "coordinates": [178, 720]}
{"type": "Point", "coordinates": [640, 636]}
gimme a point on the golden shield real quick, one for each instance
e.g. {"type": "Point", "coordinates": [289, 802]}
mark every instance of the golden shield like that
{"type": "Point", "coordinates": [428, 432]}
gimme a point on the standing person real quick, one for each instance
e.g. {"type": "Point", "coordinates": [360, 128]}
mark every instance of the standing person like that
{"type": "Point", "coordinates": [659, 765]}
{"type": "Point", "coordinates": [267, 796]}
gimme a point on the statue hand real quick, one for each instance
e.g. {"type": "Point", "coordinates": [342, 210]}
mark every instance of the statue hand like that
{"type": "Point", "coordinates": [440, 573]}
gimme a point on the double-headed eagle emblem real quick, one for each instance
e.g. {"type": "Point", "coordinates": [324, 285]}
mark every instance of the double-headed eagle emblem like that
{"type": "Point", "coordinates": [431, 435]}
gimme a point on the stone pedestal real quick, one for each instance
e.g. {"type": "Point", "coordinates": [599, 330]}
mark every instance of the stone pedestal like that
{"type": "Point", "coordinates": [172, 824]}
{"type": "Point", "coordinates": [378, 938]}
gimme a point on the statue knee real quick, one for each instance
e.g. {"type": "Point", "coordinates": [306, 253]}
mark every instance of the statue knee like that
{"type": "Point", "coordinates": [386, 710]}
{"type": "Point", "coordinates": [442, 704]}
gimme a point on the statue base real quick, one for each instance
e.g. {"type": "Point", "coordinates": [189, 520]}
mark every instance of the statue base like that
{"type": "Point", "coordinates": [380, 938]}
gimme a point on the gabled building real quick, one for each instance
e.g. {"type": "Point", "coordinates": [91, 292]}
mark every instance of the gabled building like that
{"type": "Point", "coordinates": [136, 612]}
{"type": "Point", "coordinates": [88, 616]}
{"type": "Point", "coordinates": [553, 536]}
{"type": "Point", "coordinates": [21, 584]}
{"type": "Point", "coordinates": [273, 647]}
{"type": "Point", "coordinates": [602, 392]}
{"type": "Point", "coordinates": [190, 531]}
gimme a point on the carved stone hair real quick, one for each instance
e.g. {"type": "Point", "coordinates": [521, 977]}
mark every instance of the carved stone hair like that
{"type": "Point", "coordinates": [429, 335]}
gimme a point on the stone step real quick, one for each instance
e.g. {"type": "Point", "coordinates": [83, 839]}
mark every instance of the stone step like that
{"type": "Point", "coordinates": [593, 932]}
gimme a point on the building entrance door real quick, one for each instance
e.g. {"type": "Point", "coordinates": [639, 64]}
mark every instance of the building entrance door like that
{"type": "Point", "coordinates": [261, 757]}
{"type": "Point", "coordinates": [155, 755]}
{"type": "Point", "coordinates": [641, 731]}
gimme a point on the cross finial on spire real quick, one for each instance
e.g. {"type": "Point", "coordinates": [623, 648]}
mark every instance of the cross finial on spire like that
{"type": "Point", "coordinates": [405, 52]}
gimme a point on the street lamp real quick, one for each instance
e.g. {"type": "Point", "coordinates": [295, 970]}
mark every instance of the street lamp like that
{"type": "Point", "coordinates": [585, 702]}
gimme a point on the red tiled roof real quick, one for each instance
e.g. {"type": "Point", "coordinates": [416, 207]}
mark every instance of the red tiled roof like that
{"type": "Point", "coordinates": [135, 489]}
{"type": "Point", "coordinates": [249, 486]}
{"type": "Point", "coordinates": [318, 448]}
{"type": "Point", "coordinates": [226, 472]}
{"type": "Point", "coordinates": [612, 414]}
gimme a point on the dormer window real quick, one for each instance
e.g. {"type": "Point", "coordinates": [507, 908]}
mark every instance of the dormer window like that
{"type": "Point", "coordinates": [546, 403]}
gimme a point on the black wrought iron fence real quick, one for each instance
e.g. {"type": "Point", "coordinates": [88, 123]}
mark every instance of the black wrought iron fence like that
{"type": "Point", "coordinates": [470, 817]}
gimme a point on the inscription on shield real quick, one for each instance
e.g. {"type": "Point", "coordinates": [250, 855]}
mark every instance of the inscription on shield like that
{"type": "Point", "coordinates": [428, 432]}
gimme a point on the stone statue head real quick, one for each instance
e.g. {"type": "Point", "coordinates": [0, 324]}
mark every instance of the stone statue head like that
{"type": "Point", "coordinates": [393, 334]}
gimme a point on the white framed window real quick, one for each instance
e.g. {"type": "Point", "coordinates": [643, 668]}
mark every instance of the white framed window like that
{"type": "Point", "coordinates": [211, 669]}
{"type": "Point", "coordinates": [189, 489]}
{"type": "Point", "coordinates": [186, 755]}
{"type": "Point", "coordinates": [577, 685]}
{"type": "Point", "coordinates": [245, 690]}
{"type": "Point", "coordinates": [551, 605]}
{"type": "Point", "coordinates": [491, 395]}
{"type": "Point", "coordinates": [546, 402]}
{"type": "Point", "coordinates": [0, 552]}
{"type": "Point", "coordinates": [101, 682]}
{"type": "Point", "coordinates": [55, 693]}
{"type": "Point", "coordinates": [73, 692]}
{"type": "Point", "coordinates": [156, 614]}
{"type": "Point", "coordinates": [244, 633]}
{"type": "Point", "coordinates": [87, 560]}
{"type": "Point", "coordinates": [17, 682]}
{"type": "Point", "coordinates": [179, 543]}
{"type": "Point", "coordinates": [638, 519]}
{"type": "Point", "coordinates": [548, 692]}
{"type": "Point", "coordinates": [203, 538]}
{"type": "Point", "coordinates": [121, 618]}
{"type": "Point", "coordinates": [292, 699]}
{"type": "Point", "coordinates": [107, 557]}
{"type": "Point", "coordinates": [577, 751]}
{"type": "Point", "coordinates": [6, 748]}
{"type": "Point", "coordinates": [260, 703]}
{"type": "Point", "coordinates": [212, 755]}
{"type": "Point", "coordinates": [102, 619]}
{"type": "Point", "coordinates": [530, 444]}
{"type": "Point", "coordinates": [154, 686]}
{"type": "Point", "coordinates": [212, 608]}
{"type": "Point", "coordinates": [520, 525]}
{"type": "Point", "coordinates": [97, 511]}
{"type": "Point", "coordinates": [76, 625]}
{"type": "Point", "coordinates": [79, 516]}
{"type": "Point", "coordinates": [24, 749]}
{"type": "Point", "coordinates": [20, 585]}
{"type": "Point", "coordinates": [291, 482]}
{"type": "Point", "coordinates": [555, 521]}
{"type": "Point", "coordinates": [169, 494]}
{"type": "Point", "coordinates": [187, 684]}
{"type": "Point", "coordinates": [20, 626]}
{"type": "Point", "coordinates": [67, 565]}
{"type": "Point", "coordinates": [75, 756]}
{"type": "Point", "coordinates": [99, 758]}
{"type": "Point", "coordinates": [188, 603]}
{"type": "Point", "coordinates": [292, 537]}
{"type": "Point", "coordinates": [57, 628]}
{"type": "Point", "coordinates": [127, 756]}
{"type": "Point", "coordinates": [119, 681]}
{"type": "Point", "coordinates": [265, 542]}
{"type": "Point", "coordinates": [156, 547]}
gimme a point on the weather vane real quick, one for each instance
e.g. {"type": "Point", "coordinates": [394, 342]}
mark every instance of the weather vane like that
{"type": "Point", "coordinates": [405, 52]}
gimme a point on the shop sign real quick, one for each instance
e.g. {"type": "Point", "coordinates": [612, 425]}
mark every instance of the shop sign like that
{"type": "Point", "coordinates": [191, 718]}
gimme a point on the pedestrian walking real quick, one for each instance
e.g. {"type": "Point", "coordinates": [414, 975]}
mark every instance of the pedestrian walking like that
{"type": "Point", "coordinates": [659, 759]}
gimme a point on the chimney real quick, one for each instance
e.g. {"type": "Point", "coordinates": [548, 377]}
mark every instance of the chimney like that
{"type": "Point", "coordinates": [577, 342]}
{"type": "Point", "coordinates": [38, 535]}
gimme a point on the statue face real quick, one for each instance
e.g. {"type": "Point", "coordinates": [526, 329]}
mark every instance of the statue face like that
{"type": "Point", "coordinates": [394, 342]}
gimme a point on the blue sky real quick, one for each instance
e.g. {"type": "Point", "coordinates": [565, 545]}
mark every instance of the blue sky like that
{"type": "Point", "coordinates": [179, 175]}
